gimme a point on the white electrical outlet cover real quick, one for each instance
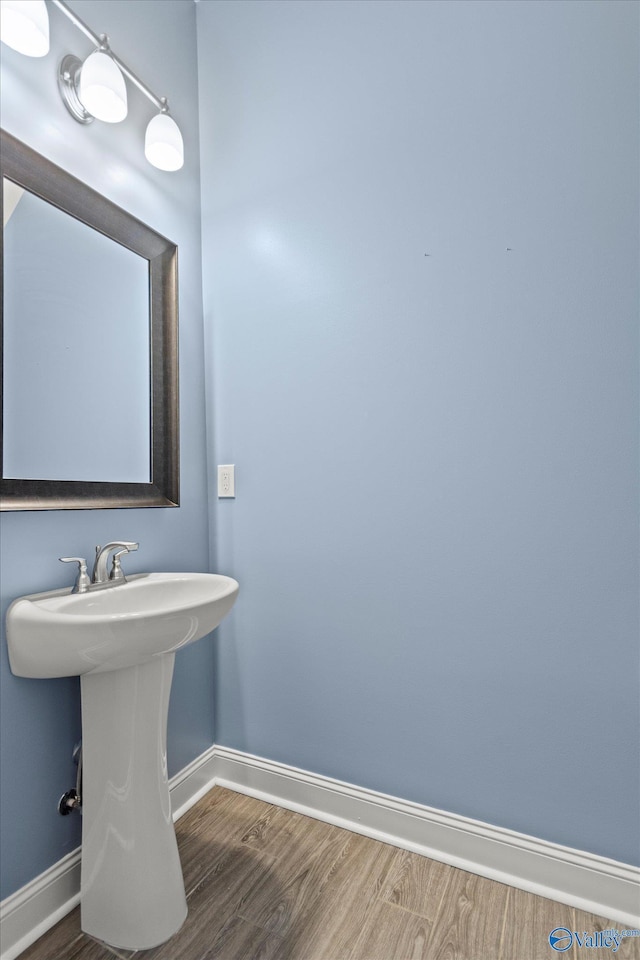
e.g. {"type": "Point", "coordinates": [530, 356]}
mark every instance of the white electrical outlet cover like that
{"type": "Point", "coordinates": [226, 480]}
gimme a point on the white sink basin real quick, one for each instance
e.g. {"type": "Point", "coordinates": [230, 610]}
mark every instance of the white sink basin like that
{"type": "Point", "coordinates": [63, 634]}
{"type": "Point", "coordinates": [121, 642]}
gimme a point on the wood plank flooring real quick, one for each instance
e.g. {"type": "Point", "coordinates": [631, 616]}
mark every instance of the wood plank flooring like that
{"type": "Point", "coordinates": [264, 883]}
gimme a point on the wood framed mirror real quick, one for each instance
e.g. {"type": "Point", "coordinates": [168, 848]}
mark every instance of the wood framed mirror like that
{"type": "Point", "coordinates": [89, 346]}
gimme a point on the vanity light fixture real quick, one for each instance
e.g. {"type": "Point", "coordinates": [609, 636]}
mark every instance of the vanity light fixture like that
{"type": "Point", "coordinates": [103, 92]}
{"type": "Point", "coordinates": [24, 26]}
{"type": "Point", "coordinates": [163, 145]}
{"type": "Point", "coordinates": [95, 89]}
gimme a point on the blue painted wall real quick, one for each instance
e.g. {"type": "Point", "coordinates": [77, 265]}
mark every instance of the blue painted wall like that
{"type": "Point", "coordinates": [41, 720]}
{"type": "Point", "coordinates": [420, 232]}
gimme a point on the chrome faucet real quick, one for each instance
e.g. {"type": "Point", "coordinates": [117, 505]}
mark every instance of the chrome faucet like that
{"type": "Point", "coordinates": [99, 575]}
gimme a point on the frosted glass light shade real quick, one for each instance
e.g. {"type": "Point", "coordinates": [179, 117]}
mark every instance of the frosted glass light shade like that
{"type": "Point", "coordinates": [163, 145]}
{"type": "Point", "coordinates": [24, 26]}
{"type": "Point", "coordinates": [102, 88]}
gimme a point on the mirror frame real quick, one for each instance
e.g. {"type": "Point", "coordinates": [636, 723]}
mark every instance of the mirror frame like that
{"type": "Point", "coordinates": [40, 176]}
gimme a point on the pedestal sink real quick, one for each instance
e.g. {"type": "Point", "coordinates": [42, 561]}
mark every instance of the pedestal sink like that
{"type": "Point", "coordinates": [121, 642]}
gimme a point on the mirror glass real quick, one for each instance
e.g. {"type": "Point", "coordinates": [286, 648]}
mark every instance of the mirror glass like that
{"type": "Point", "coordinates": [89, 346]}
{"type": "Point", "coordinates": [76, 349]}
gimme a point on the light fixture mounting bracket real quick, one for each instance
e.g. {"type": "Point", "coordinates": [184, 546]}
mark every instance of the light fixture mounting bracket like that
{"type": "Point", "coordinates": [68, 80]}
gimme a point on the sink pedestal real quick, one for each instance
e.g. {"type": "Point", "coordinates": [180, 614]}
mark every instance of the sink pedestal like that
{"type": "Point", "coordinates": [132, 891]}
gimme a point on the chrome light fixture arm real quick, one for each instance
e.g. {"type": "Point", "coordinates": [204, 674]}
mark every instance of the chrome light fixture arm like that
{"type": "Point", "coordinates": [102, 42]}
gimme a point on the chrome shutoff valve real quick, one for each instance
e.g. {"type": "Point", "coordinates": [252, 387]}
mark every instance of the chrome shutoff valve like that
{"type": "Point", "coordinates": [69, 802]}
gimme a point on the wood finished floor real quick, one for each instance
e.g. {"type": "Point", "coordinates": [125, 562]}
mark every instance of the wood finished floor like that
{"type": "Point", "coordinates": [267, 884]}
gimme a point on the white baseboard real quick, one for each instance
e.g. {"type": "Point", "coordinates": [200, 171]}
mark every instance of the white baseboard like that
{"type": "Point", "coordinates": [36, 907]}
{"type": "Point", "coordinates": [573, 877]}
{"type": "Point", "coordinates": [576, 878]}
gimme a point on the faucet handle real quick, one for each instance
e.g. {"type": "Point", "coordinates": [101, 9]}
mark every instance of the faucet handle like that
{"type": "Point", "coordinates": [82, 580]}
{"type": "Point", "coordinates": [116, 568]}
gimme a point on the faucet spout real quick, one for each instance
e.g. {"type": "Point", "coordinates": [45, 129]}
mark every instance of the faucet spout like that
{"type": "Point", "coordinates": [102, 556]}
